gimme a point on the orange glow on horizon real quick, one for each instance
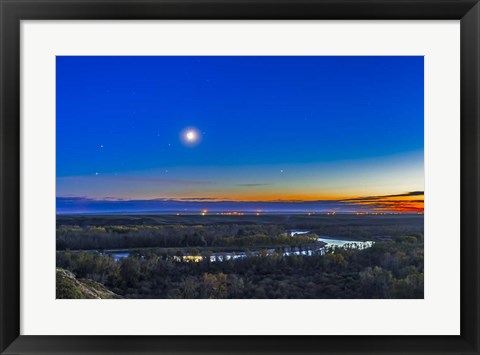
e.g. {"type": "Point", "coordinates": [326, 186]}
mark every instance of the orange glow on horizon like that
{"type": "Point", "coordinates": [402, 202]}
{"type": "Point", "coordinates": [411, 203]}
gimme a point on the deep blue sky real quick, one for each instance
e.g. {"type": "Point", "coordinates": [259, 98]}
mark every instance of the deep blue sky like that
{"type": "Point", "coordinates": [272, 127]}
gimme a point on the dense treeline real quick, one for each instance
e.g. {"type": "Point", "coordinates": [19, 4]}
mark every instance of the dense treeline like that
{"type": "Point", "coordinates": [340, 225]}
{"type": "Point", "coordinates": [389, 269]}
{"type": "Point", "coordinates": [175, 236]}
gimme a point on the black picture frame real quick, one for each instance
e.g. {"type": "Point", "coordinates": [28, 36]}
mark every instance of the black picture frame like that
{"type": "Point", "coordinates": [13, 11]}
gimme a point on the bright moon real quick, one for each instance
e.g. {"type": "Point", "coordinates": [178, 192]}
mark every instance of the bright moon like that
{"type": "Point", "coordinates": [190, 136]}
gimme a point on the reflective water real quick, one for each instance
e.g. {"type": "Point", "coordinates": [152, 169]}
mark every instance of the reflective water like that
{"type": "Point", "coordinates": [321, 249]}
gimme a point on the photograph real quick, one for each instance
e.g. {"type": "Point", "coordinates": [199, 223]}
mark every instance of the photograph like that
{"type": "Point", "coordinates": [239, 177]}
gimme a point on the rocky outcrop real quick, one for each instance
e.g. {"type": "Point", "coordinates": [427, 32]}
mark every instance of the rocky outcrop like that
{"type": "Point", "coordinates": [68, 286]}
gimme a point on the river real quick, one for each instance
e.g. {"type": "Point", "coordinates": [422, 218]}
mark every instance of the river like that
{"type": "Point", "coordinates": [331, 243]}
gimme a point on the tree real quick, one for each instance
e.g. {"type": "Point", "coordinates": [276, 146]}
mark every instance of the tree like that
{"type": "Point", "coordinates": [130, 270]}
{"type": "Point", "coordinates": [214, 286]}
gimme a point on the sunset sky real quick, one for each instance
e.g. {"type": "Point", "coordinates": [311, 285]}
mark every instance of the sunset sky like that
{"type": "Point", "coordinates": [148, 133]}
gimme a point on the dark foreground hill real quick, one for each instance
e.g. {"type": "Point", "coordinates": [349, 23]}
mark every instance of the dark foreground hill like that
{"type": "Point", "coordinates": [70, 287]}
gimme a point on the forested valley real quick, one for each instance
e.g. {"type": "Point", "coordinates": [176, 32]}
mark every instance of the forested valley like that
{"type": "Point", "coordinates": [154, 268]}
